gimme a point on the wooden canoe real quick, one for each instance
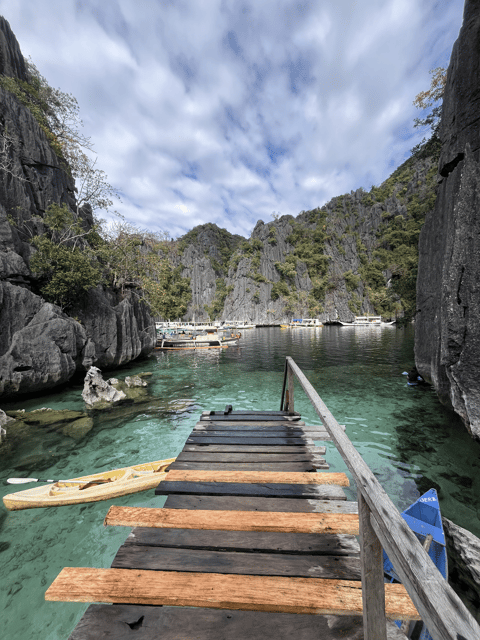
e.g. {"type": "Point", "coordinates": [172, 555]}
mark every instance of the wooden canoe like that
{"type": "Point", "coordinates": [114, 483]}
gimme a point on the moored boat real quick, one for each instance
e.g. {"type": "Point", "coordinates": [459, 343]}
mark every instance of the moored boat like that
{"type": "Point", "coordinates": [92, 488]}
{"type": "Point", "coordinates": [209, 339]}
{"type": "Point", "coordinates": [305, 323]}
{"type": "Point", "coordinates": [425, 520]}
{"type": "Point", "coordinates": [367, 321]}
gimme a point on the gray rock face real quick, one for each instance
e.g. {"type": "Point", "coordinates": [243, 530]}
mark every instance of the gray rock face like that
{"type": "Point", "coordinates": [97, 390]}
{"type": "Point", "coordinates": [40, 345]}
{"type": "Point", "coordinates": [11, 59]}
{"type": "Point", "coordinates": [464, 564]}
{"type": "Point", "coordinates": [447, 334]}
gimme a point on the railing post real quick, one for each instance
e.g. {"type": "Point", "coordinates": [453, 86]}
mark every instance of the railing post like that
{"type": "Point", "coordinates": [291, 380]}
{"type": "Point", "coordinates": [373, 589]}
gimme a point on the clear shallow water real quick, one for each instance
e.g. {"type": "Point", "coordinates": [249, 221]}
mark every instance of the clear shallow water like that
{"type": "Point", "coordinates": [408, 439]}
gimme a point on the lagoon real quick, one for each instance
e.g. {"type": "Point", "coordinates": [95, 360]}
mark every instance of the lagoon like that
{"type": "Point", "coordinates": [407, 438]}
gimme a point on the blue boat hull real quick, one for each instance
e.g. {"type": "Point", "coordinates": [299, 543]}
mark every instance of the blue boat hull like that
{"type": "Point", "coordinates": [423, 517]}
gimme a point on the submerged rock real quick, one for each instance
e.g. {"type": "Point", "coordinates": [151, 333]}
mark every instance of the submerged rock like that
{"type": "Point", "coordinates": [23, 424]}
{"type": "Point", "coordinates": [98, 391]}
{"type": "Point", "coordinates": [135, 381]}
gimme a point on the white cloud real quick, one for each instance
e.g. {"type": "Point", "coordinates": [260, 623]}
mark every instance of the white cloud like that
{"type": "Point", "coordinates": [226, 111]}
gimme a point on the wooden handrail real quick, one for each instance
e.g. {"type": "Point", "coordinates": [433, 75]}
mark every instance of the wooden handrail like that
{"type": "Point", "coordinates": [441, 609]}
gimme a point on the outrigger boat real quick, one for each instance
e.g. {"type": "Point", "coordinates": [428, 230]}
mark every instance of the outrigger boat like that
{"type": "Point", "coordinates": [303, 323]}
{"type": "Point", "coordinates": [425, 520]}
{"type": "Point", "coordinates": [210, 339]}
{"type": "Point", "coordinates": [367, 321]}
{"type": "Point", "coordinates": [91, 488]}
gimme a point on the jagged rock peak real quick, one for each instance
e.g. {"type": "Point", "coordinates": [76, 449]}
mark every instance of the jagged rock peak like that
{"type": "Point", "coordinates": [12, 62]}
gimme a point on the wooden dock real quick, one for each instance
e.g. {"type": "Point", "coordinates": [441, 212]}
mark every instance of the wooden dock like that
{"type": "Point", "coordinates": [256, 540]}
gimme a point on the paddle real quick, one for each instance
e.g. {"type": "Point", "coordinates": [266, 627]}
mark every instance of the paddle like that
{"type": "Point", "coordinates": [26, 480]}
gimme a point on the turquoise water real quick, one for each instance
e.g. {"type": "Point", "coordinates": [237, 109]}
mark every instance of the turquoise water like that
{"type": "Point", "coordinates": [408, 439]}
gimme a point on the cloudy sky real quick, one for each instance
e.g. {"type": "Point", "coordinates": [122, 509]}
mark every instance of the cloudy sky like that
{"type": "Point", "coordinates": [225, 111]}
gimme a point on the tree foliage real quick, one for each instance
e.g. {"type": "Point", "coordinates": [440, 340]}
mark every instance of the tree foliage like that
{"type": "Point", "coordinates": [430, 99]}
{"type": "Point", "coordinates": [64, 262]}
{"type": "Point", "coordinates": [142, 260]}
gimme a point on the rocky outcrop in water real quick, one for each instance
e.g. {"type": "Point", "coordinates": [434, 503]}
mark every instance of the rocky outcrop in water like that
{"type": "Point", "coordinates": [97, 390]}
{"type": "Point", "coordinates": [447, 335]}
{"type": "Point", "coordinates": [41, 346]}
{"type": "Point", "coordinates": [104, 394]}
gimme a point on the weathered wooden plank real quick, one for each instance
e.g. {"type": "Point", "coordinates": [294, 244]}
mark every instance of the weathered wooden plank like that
{"type": "Point", "coordinates": [238, 433]}
{"type": "Point", "coordinates": [209, 456]}
{"type": "Point", "coordinates": [244, 503]}
{"type": "Point", "coordinates": [239, 448]}
{"type": "Point", "coordinates": [270, 433]}
{"type": "Point", "coordinates": [247, 541]}
{"type": "Point", "coordinates": [212, 590]}
{"type": "Point", "coordinates": [265, 442]}
{"type": "Point", "coordinates": [200, 426]}
{"type": "Point", "coordinates": [314, 492]}
{"type": "Point", "coordinates": [268, 477]}
{"type": "Point", "coordinates": [250, 466]}
{"type": "Point", "coordinates": [252, 413]}
{"type": "Point", "coordinates": [264, 432]}
{"type": "Point", "coordinates": [233, 520]}
{"type": "Point", "coordinates": [254, 418]}
{"type": "Point", "coordinates": [442, 611]}
{"type": "Point", "coordinates": [252, 423]}
{"type": "Point", "coordinates": [238, 563]}
{"type": "Point", "coordinates": [137, 622]}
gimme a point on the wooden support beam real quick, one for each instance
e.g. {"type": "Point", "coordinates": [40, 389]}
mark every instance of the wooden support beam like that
{"type": "Point", "coordinates": [291, 388]}
{"type": "Point", "coordinates": [315, 596]}
{"type": "Point", "coordinates": [258, 477]}
{"type": "Point", "coordinates": [374, 621]}
{"type": "Point", "coordinates": [233, 520]}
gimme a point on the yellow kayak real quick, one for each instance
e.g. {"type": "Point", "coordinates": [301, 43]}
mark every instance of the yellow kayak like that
{"type": "Point", "coordinates": [97, 486]}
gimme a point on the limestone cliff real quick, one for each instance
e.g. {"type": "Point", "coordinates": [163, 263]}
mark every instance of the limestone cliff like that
{"type": "Point", "coordinates": [357, 254]}
{"type": "Point", "coordinates": [40, 345]}
{"type": "Point", "coordinates": [447, 336]}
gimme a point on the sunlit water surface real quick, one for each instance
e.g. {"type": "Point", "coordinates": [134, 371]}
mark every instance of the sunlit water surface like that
{"type": "Point", "coordinates": [406, 437]}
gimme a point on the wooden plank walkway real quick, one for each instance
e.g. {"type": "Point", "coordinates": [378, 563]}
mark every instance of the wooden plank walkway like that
{"type": "Point", "coordinates": [250, 535]}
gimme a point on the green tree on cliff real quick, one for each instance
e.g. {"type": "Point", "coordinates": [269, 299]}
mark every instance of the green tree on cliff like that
{"type": "Point", "coordinates": [431, 99]}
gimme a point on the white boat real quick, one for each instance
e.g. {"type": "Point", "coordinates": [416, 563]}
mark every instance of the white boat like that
{"type": "Point", "coordinates": [367, 321]}
{"type": "Point", "coordinates": [208, 339]}
{"type": "Point", "coordinates": [306, 323]}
